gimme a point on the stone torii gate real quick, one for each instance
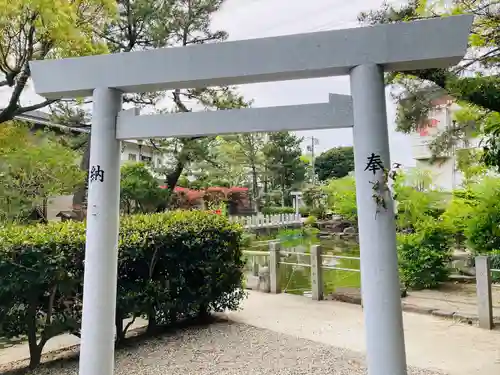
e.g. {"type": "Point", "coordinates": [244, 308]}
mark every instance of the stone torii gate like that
{"type": "Point", "coordinates": [363, 53]}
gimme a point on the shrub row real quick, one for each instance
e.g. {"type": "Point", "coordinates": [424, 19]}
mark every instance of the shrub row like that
{"type": "Point", "coordinates": [171, 266]}
{"type": "Point", "coordinates": [319, 212]}
{"type": "Point", "coordinates": [270, 210]}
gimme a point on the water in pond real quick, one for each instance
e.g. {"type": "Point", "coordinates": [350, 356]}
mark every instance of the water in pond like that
{"type": "Point", "coordinates": [334, 279]}
{"type": "Point", "coordinates": [295, 275]}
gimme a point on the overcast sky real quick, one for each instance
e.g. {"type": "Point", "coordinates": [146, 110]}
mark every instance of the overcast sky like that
{"type": "Point", "coordinates": [245, 19]}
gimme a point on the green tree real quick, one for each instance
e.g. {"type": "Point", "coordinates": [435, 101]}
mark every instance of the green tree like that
{"type": "Point", "coordinates": [459, 212]}
{"type": "Point", "coordinates": [143, 25]}
{"type": "Point", "coordinates": [44, 29]}
{"type": "Point", "coordinates": [474, 83]}
{"type": "Point", "coordinates": [33, 168]}
{"type": "Point", "coordinates": [479, 212]}
{"type": "Point", "coordinates": [246, 150]}
{"type": "Point", "coordinates": [315, 199]}
{"type": "Point", "coordinates": [284, 166]}
{"type": "Point", "coordinates": [309, 174]}
{"type": "Point", "coordinates": [341, 198]}
{"type": "Point", "coordinates": [469, 162]}
{"type": "Point", "coordinates": [226, 166]}
{"type": "Point", "coordinates": [416, 199]}
{"type": "Point", "coordinates": [139, 190]}
{"type": "Point", "coordinates": [337, 162]}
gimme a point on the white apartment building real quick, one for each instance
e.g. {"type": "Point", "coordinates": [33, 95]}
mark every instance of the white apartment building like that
{"type": "Point", "coordinates": [131, 150]}
{"type": "Point", "coordinates": [443, 170]}
{"type": "Point", "coordinates": [139, 151]}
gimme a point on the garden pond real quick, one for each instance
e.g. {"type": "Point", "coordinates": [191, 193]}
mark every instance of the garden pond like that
{"type": "Point", "coordinates": [295, 274]}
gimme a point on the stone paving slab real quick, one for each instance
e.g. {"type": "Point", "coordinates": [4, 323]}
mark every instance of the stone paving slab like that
{"type": "Point", "coordinates": [452, 301]}
{"type": "Point", "coordinates": [457, 298]}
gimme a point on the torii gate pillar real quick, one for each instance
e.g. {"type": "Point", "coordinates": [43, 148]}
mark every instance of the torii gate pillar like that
{"type": "Point", "coordinates": [385, 346]}
{"type": "Point", "coordinates": [101, 250]}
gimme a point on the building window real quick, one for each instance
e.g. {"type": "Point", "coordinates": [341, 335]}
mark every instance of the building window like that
{"type": "Point", "coordinates": [159, 163]}
{"type": "Point", "coordinates": [132, 157]}
{"type": "Point", "coordinates": [146, 159]}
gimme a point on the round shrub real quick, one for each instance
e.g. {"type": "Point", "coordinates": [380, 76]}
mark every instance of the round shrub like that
{"type": "Point", "coordinates": [311, 221]}
{"type": "Point", "coordinates": [178, 264]}
{"type": "Point", "coordinates": [483, 230]}
{"type": "Point", "coordinates": [424, 256]}
{"type": "Point", "coordinates": [483, 226]}
{"type": "Point", "coordinates": [305, 211]}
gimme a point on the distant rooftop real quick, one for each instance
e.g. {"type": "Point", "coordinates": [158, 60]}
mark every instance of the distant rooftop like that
{"type": "Point", "coordinates": [40, 117]}
{"type": "Point", "coordinates": [43, 118]}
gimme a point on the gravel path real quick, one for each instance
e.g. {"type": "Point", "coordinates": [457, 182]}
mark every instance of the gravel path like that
{"type": "Point", "coordinates": [230, 349]}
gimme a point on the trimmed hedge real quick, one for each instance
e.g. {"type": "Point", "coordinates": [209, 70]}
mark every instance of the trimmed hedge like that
{"type": "Point", "coordinates": [171, 266]}
{"type": "Point", "coordinates": [277, 210]}
{"type": "Point", "coordinates": [41, 273]}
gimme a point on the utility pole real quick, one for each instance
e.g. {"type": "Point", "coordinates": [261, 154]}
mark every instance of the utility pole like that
{"type": "Point", "coordinates": [266, 176]}
{"type": "Point", "coordinates": [310, 148]}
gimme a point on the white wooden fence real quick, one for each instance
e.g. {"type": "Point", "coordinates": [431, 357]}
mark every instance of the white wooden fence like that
{"type": "Point", "coordinates": [267, 221]}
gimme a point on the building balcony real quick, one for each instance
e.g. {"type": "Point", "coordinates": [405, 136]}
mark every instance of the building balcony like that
{"type": "Point", "coordinates": [421, 151]}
